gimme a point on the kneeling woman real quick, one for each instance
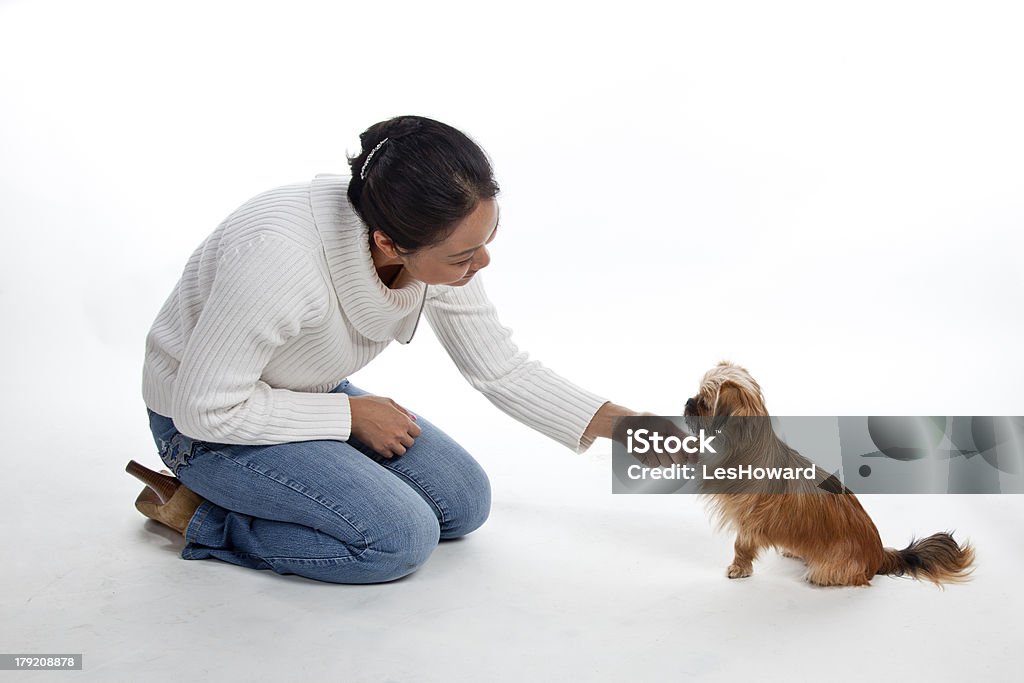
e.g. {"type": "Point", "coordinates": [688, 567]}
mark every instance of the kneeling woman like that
{"type": "Point", "coordinates": [278, 461]}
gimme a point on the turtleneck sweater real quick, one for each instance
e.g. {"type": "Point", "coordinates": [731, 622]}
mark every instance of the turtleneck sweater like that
{"type": "Point", "coordinates": [282, 302]}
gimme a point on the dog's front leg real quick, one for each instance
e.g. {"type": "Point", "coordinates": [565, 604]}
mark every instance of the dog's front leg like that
{"type": "Point", "coordinates": [743, 563]}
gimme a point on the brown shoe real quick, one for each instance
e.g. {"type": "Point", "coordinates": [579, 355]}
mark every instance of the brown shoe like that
{"type": "Point", "coordinates": [165, 499]}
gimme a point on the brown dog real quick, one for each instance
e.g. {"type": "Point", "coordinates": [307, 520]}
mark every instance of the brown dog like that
{"type": "Point", "coordinates": [819, 521]}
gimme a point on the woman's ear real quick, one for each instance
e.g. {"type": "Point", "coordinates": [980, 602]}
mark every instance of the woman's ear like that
{"type": "Point", "coordinates": [385, 244]}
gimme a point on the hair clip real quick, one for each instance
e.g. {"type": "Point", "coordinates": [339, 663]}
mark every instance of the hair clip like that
{"type": "Point", "coordinates": [362, 173]}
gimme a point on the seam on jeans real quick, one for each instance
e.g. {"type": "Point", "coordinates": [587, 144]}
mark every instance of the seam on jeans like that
{"type": "Point", "coordinates": [289, 559]}
{"type": "Point", "coordinates": [342, 558]}
{"type": "Point", "coordinates": [428, 494]}
{"type": "Point", "coordinates": [198, 524]}
{"type": "Point", "coordinates": [366, 542]}
{"type": "Point", "coordinates": [308, 560]}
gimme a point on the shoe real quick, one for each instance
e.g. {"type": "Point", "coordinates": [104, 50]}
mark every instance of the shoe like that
{"type": "Point", "coordinates": [165, 499]}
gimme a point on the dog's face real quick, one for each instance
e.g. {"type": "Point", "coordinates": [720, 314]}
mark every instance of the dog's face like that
{"type": "Point", "coordinates": [726, 390]}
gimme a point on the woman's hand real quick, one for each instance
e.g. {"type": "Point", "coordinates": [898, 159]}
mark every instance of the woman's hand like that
{"type": "Point", "coordinates": [603, 422]}
{"type": "Point", "coordinates": [666, 428]}
{"type": "Point", "coordinates": [383, 425]}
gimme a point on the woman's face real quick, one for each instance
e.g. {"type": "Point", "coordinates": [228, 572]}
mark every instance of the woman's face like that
{"type": "Point", "coordinates": [456, 260]}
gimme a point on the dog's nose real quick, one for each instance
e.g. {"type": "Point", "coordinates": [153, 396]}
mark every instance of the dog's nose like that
{"type": "Point", "coordinates": [691, 404]}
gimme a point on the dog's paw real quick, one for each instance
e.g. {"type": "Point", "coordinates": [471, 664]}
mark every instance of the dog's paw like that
{"type": "Point", "coordinates": [735, 571]}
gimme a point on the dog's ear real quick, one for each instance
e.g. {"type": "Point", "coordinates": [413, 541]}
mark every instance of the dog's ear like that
{"type": "Point", "coordinates": [735, 401]}
{"type": "Point", "coordinates": [740, 401]}
{"type": "Point", "coordinates": [734, 416]}
{"type": "Point", "coordinates": [730, 400]}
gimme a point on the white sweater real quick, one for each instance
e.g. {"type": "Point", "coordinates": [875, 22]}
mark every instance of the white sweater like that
{"type": "Point", "coordinates": [282, 302]}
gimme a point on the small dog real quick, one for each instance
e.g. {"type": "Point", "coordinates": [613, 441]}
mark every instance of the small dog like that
{"type": "Point", "coordinates": [818, 521]}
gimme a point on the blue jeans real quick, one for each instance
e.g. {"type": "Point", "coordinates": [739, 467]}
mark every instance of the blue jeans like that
{"type": "Point", "coordinates": [327, 510]}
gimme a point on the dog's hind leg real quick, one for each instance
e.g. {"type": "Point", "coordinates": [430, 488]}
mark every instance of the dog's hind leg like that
{"type": "Point", "coordinates": [840, 572]}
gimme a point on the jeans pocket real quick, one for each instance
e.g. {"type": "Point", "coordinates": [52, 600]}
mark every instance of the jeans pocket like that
{"type": "Point", "coordinates": [178, 452]}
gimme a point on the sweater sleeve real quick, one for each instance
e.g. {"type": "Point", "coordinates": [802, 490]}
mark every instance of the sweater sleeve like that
{"type": "Point", "coordinates": [262, 293]}
{"type": "Point", "coordinates": [465, 321]}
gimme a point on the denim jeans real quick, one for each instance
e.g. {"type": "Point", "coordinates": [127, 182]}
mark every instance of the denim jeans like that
{"type": "Point", "coordinates": [327, 510]}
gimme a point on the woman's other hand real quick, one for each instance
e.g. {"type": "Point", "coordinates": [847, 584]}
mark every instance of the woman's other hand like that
{"type": "Point", "coordinates": [383, 425]}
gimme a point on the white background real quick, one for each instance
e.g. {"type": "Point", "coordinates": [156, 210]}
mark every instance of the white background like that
{"type": "Point", "coordinates": [829, 194]}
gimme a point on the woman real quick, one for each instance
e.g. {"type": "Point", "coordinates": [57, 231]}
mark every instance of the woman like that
{"type": "Point", "coordinates": [280, 463]}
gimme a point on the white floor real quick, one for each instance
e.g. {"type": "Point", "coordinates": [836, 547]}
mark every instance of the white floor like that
{"type": "Point", "coordinates": [564, 581]}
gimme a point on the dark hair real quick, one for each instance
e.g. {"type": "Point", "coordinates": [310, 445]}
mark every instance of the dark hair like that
{"type": "Point", "coordinates": [419, 184]}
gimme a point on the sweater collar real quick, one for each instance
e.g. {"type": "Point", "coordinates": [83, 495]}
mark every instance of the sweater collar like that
{"type": "Point", "coordinates": [377, 312]}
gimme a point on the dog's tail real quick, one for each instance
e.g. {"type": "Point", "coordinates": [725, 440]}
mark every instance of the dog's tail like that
{"type": "Point", "coordinates": [938, 559]}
